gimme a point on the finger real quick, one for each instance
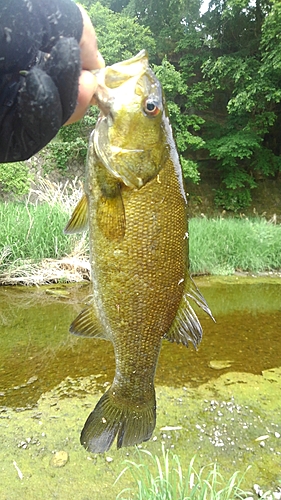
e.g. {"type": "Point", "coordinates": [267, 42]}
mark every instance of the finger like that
{"type": "Point", "coordinates": [87, 88]}
{"type": "Point", "coordinates": [100, 61]}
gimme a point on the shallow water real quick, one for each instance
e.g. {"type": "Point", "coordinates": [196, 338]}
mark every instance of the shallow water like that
{"type": "Point", "coordinates": [37, 352]}
{"type": "Point", "coordinates": [215, 404]}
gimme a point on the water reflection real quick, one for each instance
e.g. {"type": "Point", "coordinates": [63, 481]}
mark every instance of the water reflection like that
{"type": "Point", "coordinates": [37, 352]}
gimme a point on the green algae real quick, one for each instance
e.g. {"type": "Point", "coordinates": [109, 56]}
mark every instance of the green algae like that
{"type": "Point", "coordinates": [50, 381]}
{"type": "Point", "coordinates": [35, 343]}
{"type": "Point", "coordinates": [219, 421]}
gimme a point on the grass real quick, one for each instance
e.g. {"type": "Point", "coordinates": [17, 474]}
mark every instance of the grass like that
{"type": "Point", "coordinates": [33, 248]}
{"type": "Point", "coordinates": [170, 482]}
{"type": "Point", "coordinates": [32, 231]}
{"type": "Point", "coordinates": [32, 234]}
{"type": "Point", "coordinates": [223, 246]}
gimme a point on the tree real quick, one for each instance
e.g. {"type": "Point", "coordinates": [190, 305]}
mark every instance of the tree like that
{"type": "Point", "coordinates": [119, 36]}
{"type": "Point", "coordinates": [242, 133]}
{"type": "Point", "coordinates": [167, 20]}
{"type": "Point", "coordinates": [221, 73]}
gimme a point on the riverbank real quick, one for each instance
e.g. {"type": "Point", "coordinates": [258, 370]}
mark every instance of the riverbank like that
{"type": "Point", "coordinates": [35, 251]}
{"type": "Point", "coordinates": [74, 270]}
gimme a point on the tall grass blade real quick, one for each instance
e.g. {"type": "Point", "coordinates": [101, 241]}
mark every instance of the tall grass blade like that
{"type": "Point", "coordinates": [162, 478]}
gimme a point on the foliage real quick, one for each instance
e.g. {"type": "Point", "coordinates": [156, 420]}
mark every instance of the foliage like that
{"type": "Point", "coordinates": [119, 36]}
{"type": "Point", "coordinates": [167, 20]}
{"type": "Point", "coordinates": [246, 92]}
{"type": "Point", "coordinates": [222, 246]}
{"type": "Point", "coordinates": [221, 73]}
{"type": "Point", "coordinates": [61, 153]}
{"type": "Point", "coordinates": [230, 150]}
{"type": "Point", "coordinates": [15, 178]}
{"type": "Point", "coordinates": [70, 144]}
{"type": "Point", "coordinates": [233, 199]}
{"type": "Point", "coordinates": [169, 482]}
{"type": "Point", "coordinates": [37, 236]}
{"type": "Point", "coordinates": [32, 231]}
{"type": "Point", "coordinates": [190, 170]}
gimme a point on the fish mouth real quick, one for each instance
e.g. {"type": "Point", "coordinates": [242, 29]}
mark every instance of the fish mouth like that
{"type": "Point", "coordinates": [113, 77]}
{"type": "Point", "coordinates": [103, 100]}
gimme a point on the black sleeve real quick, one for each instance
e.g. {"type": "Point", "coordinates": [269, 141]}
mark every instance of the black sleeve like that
{"type": "Point", "coordinates": [39, 72]}
{"type": "Point", "coordinates": [29, 26]}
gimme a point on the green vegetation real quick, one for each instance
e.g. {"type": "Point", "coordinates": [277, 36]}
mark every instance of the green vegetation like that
{"type": "Point", "coordinates": [70, 145]}
{"type": "Point", "coordinates": [217, 246]}
{"type": "Point", "coordinates": [223, 246]}
{"type": "Point", "coordinates": [221, 72]}
{"type": "Point", "coordinates": [169, 482]}
{"type": "Point", "coordinates": [15, 178]}
{"type": "Point", "coordinates": [31, 232]}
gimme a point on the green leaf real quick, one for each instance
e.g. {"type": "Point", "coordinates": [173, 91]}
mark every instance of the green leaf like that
{"type": "Point", "coordinates": [15, 178]}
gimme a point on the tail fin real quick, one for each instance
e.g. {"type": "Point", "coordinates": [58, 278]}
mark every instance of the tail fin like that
{"type": "Point", "coordinates": [108, 419]}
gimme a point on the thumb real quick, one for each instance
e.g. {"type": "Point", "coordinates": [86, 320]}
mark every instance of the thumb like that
{"type": "Point", "coordinates": [86, 90]}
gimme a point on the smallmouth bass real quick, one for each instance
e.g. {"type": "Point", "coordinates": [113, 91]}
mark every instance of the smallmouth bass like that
{"type": "Point", "coordinates": [136, 209]}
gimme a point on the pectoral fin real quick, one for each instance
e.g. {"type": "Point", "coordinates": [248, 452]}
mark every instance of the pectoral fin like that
{"type": "Point", "coordinates": [186, 326]}
{"type": "Point", "coordinates": [87, 324]}
{"type": "Point", "coordinates": [111, 216]}
{"type": "Point", "coordinates": [79, 218]}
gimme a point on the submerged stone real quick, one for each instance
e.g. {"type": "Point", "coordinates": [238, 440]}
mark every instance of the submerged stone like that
{"type": "Point", "coordinates": [59, 459]}
{"type": "Point", "coordinates": [218, 364]}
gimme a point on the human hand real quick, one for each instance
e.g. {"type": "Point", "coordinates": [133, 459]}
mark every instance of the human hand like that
{"type": "Point", "coordinates": [90, 59]}
{"type": "Point", "coordinates": [54, 86]}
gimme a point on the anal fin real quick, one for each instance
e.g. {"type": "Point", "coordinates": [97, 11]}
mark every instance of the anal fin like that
{"type": "Point", "coordinates": [87, 324]}
{"type": "Point", "coordinates": [186, 326]}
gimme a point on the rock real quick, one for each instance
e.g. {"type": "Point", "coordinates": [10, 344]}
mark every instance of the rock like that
{"type": "Point", "coordinates": [59, 459]}
{"type": "Point", "coordinates": [220, 364]}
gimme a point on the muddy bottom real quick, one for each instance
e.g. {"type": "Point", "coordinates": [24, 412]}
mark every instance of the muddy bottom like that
{"type": "Point", "coordinates": [221, 403]}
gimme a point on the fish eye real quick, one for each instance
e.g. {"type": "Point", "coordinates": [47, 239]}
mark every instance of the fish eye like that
{"type": "Point", "coordinates": [151, 107]}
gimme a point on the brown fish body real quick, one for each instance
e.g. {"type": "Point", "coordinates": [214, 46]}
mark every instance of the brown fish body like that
{"type": "Point", "coordinates": [139, 280]}
{"type": "Point", "coordinates": [139, 259]}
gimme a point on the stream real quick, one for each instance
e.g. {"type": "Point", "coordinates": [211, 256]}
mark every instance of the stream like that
{"type": "Point", "coordinates": [222, 399]}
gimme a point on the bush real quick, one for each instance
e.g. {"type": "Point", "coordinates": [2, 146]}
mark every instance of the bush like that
{"type": "Point", "coordinates": [15, 178]}
{"type": "Point", "coordinates": [233, 199]}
